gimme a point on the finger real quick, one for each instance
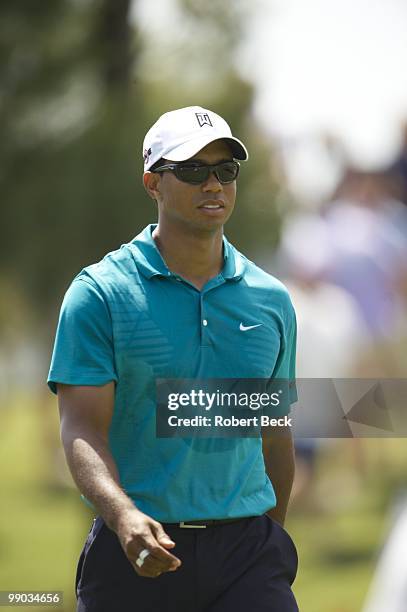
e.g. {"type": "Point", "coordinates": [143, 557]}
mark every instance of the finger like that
{"type": "Point", "coordinates": [165, 558]}
{"type": "Point", "coordinates": [150, 574]}
{"type": "Point", "coordinates": [157, 559]}
{"type": "Point", "coordinates": [152, 569]}
{"type": "Point", "coordinates": [164, 540]}
{"type": "Point", "coordinates": [147, 541]}
{"type": "Point", "coordinates": [157, 547]}
{"type": "Point", "coordinates": [151, 563]}
{"type": "Point", "coordinates": [162, 537]}
{"type": "Point", "coordinates": [147, 573]}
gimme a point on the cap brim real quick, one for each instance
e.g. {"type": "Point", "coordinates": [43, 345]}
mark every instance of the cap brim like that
{"type": "Point", "coordinates": [189, 149]}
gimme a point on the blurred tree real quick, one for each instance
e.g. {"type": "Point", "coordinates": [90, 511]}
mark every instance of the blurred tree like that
{"type": "Point", "coordinates": [69, 116]}
{"type": "Point", "coordinates": [115, 42]}
{"type": "Point", "coordinates": [79, 86]}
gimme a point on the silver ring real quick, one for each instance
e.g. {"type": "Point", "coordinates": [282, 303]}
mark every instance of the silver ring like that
{"type": "Point", "coordinates": [142, 557]}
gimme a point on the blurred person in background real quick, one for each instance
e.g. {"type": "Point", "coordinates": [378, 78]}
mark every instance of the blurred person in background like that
{"type": "Point", "coordinates": [367, 231]}
{"type": "Point", "coordinates": [388, 589]}
{"type": "Point", "coordinates": [331, 330]}
{"type": "Point", "coordinates": [202, 517]}
{"type": "Point", "coordinates": [397, 171]}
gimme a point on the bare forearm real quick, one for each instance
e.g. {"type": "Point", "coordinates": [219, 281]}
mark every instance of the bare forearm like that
{"type": "Point", "coordinates": [95, 473]}
{"type": "Point", "coordinates": [86, 413]}
{"type": "Point", "coordinates": [280, 467]}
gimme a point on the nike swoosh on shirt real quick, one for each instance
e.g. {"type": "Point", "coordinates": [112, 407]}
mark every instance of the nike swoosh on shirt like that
{"type": "Point", "coordinates": [247, 327]}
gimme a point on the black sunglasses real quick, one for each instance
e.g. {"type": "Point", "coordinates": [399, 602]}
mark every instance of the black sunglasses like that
{"type": "Point", "coordinates": [198, 173]}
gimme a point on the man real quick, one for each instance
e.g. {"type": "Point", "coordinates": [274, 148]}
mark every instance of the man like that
{"type": "Point", "coordinates": [199, 516]}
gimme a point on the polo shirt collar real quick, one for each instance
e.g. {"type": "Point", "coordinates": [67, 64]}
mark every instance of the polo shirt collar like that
{"type": "Point", "coordinates": [235, 263]}
{"type": "Point", "coordinates": [146, 254]}
{"type": "Point", "coordinates": [150, 263]}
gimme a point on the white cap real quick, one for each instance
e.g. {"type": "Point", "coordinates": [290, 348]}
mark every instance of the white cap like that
{"type": "Point", "coordinates": [180, 134]}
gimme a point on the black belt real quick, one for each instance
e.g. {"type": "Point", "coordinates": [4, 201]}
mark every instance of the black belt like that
{"type": "Point", "coordinates": [205, 523]}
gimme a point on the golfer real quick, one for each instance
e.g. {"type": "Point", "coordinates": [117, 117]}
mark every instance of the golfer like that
{"type": "Point", "coordinates": [184, 524]}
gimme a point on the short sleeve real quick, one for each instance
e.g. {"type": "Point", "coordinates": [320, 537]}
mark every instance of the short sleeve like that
{"type": "Point", "coordinates": [285, 365]}
{"type": "Point", "coordinates": [83, 351]}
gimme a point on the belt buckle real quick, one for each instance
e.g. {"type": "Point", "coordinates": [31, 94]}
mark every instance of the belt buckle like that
{"type": "Point", "coordinates": [185, 525]}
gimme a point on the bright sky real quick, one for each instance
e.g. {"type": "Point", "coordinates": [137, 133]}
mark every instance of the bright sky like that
{"type": "Point", "coordinates": [331, 66]}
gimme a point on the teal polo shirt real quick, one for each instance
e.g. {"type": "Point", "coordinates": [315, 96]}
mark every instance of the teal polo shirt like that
{"type": "Point", "coordinates": [130, 320]}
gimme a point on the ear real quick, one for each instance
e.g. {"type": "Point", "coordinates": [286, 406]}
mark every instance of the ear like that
{"type": "Point", "coordinates": [151, 182]}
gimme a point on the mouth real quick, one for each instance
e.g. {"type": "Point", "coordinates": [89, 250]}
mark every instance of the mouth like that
{"type": "Point", "coordinates": [212, 205]}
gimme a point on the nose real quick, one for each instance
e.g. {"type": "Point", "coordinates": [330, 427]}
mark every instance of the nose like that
{"type": "Point", "coordinates": [212, 184]}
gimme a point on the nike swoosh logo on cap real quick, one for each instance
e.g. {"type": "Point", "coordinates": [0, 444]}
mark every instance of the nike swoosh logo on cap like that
{"type": "Point", "coordinates": [247, 327]}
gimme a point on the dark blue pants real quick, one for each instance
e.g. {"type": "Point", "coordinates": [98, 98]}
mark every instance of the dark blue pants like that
{"type": "Point", "coordinates": [246, 565]}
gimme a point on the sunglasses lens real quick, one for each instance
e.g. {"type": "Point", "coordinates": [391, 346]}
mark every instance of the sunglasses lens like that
{"type": "Point", "coordinates": [196, 175]}
{"type": "Point", "coordinates": [227, 172]}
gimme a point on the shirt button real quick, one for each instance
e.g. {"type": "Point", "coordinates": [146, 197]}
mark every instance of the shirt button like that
{"type": "Point", "coordinates": [204, 322]}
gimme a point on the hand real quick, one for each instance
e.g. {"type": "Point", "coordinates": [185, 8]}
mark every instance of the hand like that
{"type": "Point", "coordinates": [137, 531]}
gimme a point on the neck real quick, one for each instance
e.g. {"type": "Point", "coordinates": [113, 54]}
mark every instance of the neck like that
{"type": "Point", "coordinates": [197, 257]}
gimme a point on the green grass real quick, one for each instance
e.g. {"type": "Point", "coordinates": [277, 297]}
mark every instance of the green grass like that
{"type": "Point", "coordinates": [335, 564]}
{"type": "Point", "coordinates": [339, 541]}
{"type": "Point", "coordinates": [43, 524]}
